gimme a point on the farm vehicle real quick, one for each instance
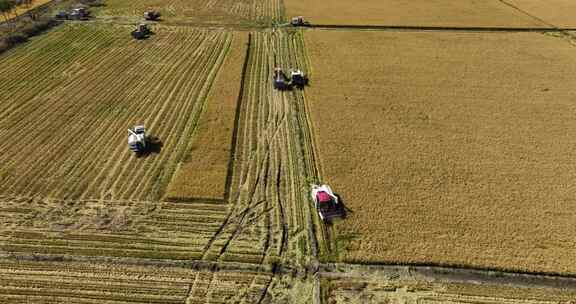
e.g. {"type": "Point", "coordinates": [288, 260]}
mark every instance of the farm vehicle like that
{"type": "Point", "coordinates": [137, 139]}
{"type": "Point", "coordinates": [151, 15]}
{"type": "Point", "coordinates": [142, 31]}
{"type": "Point", "coordinates": [326, 202]}
{"type": "Point", "coordinates": [282, 82]}
{"type": "Point", "coordinates": [295, 22]}
{"type": "Point", "coordinates": [80, 13]}
{"type": "Point", "coordinates": [299, 21]}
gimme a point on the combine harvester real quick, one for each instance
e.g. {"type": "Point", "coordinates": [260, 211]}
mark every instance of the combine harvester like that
{"type": "Point", "coordinates": [326, 203]}
{"type": "Point", "coordinates": [79, 13]}
{"type": "Point", "coordinates": [281, 82]}
{"type": "Point", "coordinates": [151, 15]}
{"type": "Point", "coordinates": [299, 21]}
{"type": "Point", "coordinates": [137, 140]}
{"type": "Point", "coordinates": [142, 31]}
{"type": "Point", "coordinates": [295, 22]}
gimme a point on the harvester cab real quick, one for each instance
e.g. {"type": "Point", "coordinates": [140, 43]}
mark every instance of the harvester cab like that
{"type": "Point", "coordinates": [137, 139]}
{"type": "Point", "coordinates": [142, 31]}
{"type": "Point", "coordinates": [299, 21]}
{"type": "Point", "coordinates": [80, 13]}
{"type": "Point", "coordinates": [280, 81]}
{"type": "Point", "coordinates": [298, 79]}
{"type": "Point", "coordinates": [326, 202]}
{"type": "Point", "coordinates": [151, 15]}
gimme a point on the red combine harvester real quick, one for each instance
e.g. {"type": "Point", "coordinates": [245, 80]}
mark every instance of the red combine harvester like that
{"type": "Point", "coordinates": [326, 202]}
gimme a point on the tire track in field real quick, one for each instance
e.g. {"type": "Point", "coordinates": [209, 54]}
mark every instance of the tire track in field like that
{"type": "Point", "coordinates": [273, 162]}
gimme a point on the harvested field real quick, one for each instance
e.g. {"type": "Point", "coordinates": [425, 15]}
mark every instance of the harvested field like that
{"type": "Point", "coordinates": [204, 172]}
{"type": "Point", "coordinates": [452, 149]}
{"type": "Point", "coordinates": [76, 282]}
{"type": "Point", "coordinates": [443, 13]}
{"type": "Point", "coordinates": [69, 96]}
{"type": "Point", "coordinates": [272, 161]}
{"type": "Point", "coordinates": [244, 12]}
{"type": "Point", "coordinates": [268, 218]}
{"type": "Point", "coordinates": [114, 229]}
{"type": "Point", "coordinates": [556, 12]}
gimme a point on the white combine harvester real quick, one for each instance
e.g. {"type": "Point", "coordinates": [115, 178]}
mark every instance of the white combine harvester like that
{"type": "Point", "coordinates": [297, 78]}
{"type": "Point", "coordinates": [137, 139]}
{"type": "Point", "coordinates": [326, 202]}
{"type": "Point", "coordinates": [151, 15]}
{"type": "Point", "coordinates": [299, 21]}
{"type": "Point", "coordinates": [281, 82]}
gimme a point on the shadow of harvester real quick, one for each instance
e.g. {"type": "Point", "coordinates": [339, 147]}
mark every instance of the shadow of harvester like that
{"type": "Point", "coordinates": [153, 146]}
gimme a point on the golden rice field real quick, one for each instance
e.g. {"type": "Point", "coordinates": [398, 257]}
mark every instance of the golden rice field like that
{"type": "Point", "coordinates": [448, 148]}
{"type": "Point", "coordinates": [205, 170]}
{"type": "Point", "coordinates": [441, 13]}
{"type": "Point", "coordinates": [555, 12]}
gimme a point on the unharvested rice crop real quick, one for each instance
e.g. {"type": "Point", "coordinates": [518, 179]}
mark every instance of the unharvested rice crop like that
{"type": "Point", "coordinates": [449, 148]}
{"type": "Point", "coordinates": [69, 96]}
{"type": "Point", "coordinates": [462, 13]}
{"type": "Point", "coordinates": [204, 172]}
{"type": "Point", "coordinates": [556, 12]}
{"type": "Point", "coordinates": [199, 12]}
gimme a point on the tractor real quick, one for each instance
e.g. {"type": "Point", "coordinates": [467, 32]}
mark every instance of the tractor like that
{"type": "Point", "coordinates": [137, 139]}
{"type": "Point", "coordinates": [142, 31]}
{"type": "Point", "coordinates": [151, 15]}
{"type": "Point", "coordinates": [326, 202]}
